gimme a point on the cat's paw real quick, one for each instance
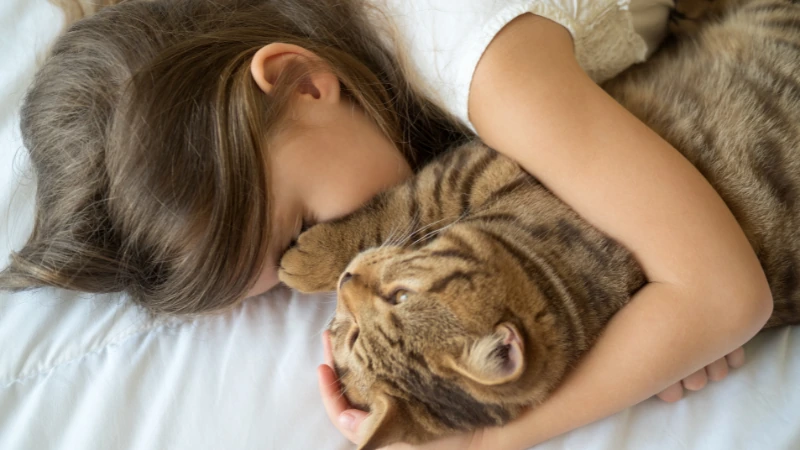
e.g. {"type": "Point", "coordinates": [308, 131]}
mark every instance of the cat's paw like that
{"type": "Point", "coordinates": [314, 263]}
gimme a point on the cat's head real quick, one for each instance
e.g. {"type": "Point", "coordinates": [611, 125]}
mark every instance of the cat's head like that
{"type": "Point", "coordinates": [438, 340]}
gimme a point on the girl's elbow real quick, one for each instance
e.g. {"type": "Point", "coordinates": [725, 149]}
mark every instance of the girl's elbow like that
{"type": "Point", "coordinates": [735, 306]}
{"type": "Point", "coordinates": [751, 310]}
{"type": "Point", "coordinates": [762, 308]}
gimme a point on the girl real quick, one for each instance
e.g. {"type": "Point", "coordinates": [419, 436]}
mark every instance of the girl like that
{"type": "Point", "coordinates": [180, 145]}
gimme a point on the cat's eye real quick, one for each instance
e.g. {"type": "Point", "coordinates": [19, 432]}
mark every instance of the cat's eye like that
{"type": "Point", "coordinates": [398, 295]}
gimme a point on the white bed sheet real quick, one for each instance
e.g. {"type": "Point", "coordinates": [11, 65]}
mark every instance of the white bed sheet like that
{"type": "Point", "coordinates": [91, 372]}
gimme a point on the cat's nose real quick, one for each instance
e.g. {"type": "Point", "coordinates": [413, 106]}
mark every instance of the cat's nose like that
{"type": "Point", "coordinates": [345, 278]}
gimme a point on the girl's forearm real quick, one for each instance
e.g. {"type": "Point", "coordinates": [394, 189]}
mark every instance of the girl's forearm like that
{"type": "Point", "coordinates": [658, 339]}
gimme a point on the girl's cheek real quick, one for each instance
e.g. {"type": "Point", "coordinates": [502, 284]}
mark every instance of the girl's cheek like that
{"type": "Point", "coordinates": [345, 196]}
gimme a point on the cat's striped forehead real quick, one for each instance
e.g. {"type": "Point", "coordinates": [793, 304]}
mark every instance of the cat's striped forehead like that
{"type": "Point", "coordinates": [430, 269]}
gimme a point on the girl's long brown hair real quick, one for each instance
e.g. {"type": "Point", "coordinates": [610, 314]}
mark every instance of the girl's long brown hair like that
{"type": "Point", "coordinates": [148, 138]}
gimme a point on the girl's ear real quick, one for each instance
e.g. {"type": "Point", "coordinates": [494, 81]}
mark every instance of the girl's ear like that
{"type": "Point", "coordinates": [318, 82]}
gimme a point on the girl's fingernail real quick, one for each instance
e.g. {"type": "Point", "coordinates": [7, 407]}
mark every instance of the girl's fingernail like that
{"type": "Point", "coordinates": [346, 420]}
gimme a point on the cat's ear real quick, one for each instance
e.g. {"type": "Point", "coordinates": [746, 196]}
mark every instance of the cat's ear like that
{"type": "Point", "coordinates": [384, 425]}
{"type": "Point", "coordinates": [494, 359]}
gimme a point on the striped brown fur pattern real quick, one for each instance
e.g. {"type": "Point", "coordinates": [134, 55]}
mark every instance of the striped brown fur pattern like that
{"type": "Point", "coordinates": [467, 293]}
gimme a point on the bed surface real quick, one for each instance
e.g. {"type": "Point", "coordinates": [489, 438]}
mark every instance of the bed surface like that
{"type": "Point", "coordinates": [84, 371]}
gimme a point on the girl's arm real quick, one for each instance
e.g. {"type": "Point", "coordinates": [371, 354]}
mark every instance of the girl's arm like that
{"type": "Point", "coordinates": [707, 294]}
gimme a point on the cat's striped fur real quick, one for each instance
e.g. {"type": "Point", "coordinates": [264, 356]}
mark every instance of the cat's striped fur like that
{"type": "Point", "coordinates": [480, 289]}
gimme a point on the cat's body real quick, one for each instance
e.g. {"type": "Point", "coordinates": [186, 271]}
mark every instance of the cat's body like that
{"type": "Point", "coordinates": [729, 101]}
{"type": "Point", "coordinates": [480, 289]}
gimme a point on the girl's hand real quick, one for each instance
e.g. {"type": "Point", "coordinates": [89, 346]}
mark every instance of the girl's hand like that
{"type": "Point", "coordinates": [347, 420]}
{"type": "Point", "coordinates": [715, 371]}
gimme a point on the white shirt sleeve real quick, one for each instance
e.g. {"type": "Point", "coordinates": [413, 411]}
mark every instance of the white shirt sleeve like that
{"type": "Point", "coordinates": [441, 41]}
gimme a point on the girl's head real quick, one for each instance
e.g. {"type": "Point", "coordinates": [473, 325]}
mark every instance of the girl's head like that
{"type": "Point", "coordinates": [180, 144]}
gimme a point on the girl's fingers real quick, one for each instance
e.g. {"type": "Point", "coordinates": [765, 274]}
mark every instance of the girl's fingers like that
{"type": "Point", "coordinates": [672, 394]}
{"type": "Point", "coordinates": [326, 348]}
{"type": "Point", "coordinates": [736, 358]}
{"type": "Point", "coordinates": [717, 370]}
{"type": "Point", "coordinates": [345, 419]}
{"type": "Point", "coordinates": [696, 381]}
{"type": "Point", "coordinates": [329, 387]}
{"type": "Point", "coordinates": [340, 413]}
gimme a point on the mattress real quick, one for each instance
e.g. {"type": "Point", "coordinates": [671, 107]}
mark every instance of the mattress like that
{"type": "Point", "coordinates": [81, 371]}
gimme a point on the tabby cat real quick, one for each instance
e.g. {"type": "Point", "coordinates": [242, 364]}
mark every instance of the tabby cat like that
{"type": "Point", "coordinates": [476, 289]}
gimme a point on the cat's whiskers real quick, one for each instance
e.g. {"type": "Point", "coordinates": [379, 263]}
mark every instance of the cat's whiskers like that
{"type": "Point", "coordinates": [409, 231]}
{"type": "Point", "coordinates": [332, 317]}
{"type": "Point", "coordinates": [404, 237]}
{"type": "Point", "coordinates": [389, 239]}
{"type": "Point", "coordinates": [343, 389]}
{"type": "Point", "coordinates": [412, 233]}
{"type": "Point", "coordinates": [439, 230]}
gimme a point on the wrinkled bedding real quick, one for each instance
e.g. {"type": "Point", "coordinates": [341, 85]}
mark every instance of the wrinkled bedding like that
{"type": "Point", "coordinates": [82, 371]}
